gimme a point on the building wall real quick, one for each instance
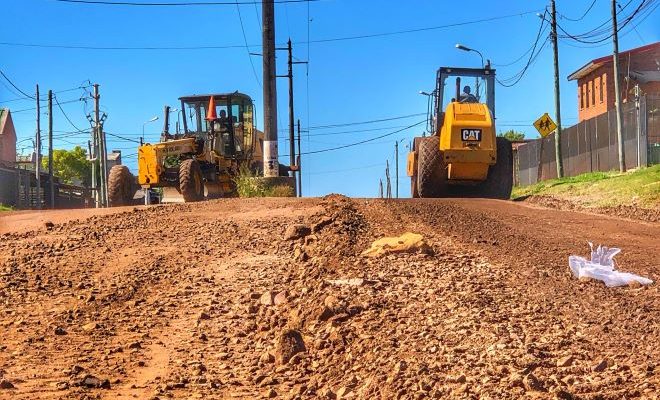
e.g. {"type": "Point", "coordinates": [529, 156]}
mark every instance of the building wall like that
{"type": "Point", "coordinates": [589, 86]}
{"type": "Point", "coordinates": [7, 139]}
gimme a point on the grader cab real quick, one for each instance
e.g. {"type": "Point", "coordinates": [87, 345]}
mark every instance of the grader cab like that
{"type": "Point", "coordinates": [201, 160]}
{"type": "Point", "coordinates": [462, 157]}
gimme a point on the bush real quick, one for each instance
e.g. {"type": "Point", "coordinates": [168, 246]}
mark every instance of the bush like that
{"type": "Point", "coordinates": [249, 184]}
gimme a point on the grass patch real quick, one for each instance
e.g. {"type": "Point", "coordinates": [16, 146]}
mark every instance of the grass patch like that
{"type": "Point", "coordinates": [247, 185]}
{"type": "Point", "coordinates": [639, 187]}
{"type": "Point", "coordinates": [5, 208]}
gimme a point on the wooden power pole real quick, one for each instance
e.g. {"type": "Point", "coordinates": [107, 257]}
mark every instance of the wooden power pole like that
{"type": "Point", "coordinates": [298, 164]}
{"type": "Point", "coordinates": [37, 151]}
{"type": "Point", "coordinates": [271, 163]}
{"type": "Point", "coordinates": [555, 50]}
{"type": "Point", "coordinates": [51, 183]}
{"type": "Point", "coordinates": [101, 153]}
{"type": "Point", "coordinates": [617, 90]}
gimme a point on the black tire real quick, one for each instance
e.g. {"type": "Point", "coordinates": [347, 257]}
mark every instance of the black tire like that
{"type": "Point", "coordinates": [120, 186]}
{"type": "Point", "coordinates": [191, 183]}
{"type": "Point", "coordinates": [414, 193]}
{"type": "Point", "coordinates": [431, 173]}
{"type": "Point", "coordinates": [499, 183]}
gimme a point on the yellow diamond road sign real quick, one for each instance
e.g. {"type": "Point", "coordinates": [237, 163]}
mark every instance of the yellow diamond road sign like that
{"type": "Point", "coordinates": [545, 125]}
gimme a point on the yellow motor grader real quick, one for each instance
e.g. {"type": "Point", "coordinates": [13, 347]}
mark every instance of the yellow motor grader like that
{"type": "Point", "coordinates": [462, 157]}
{"type": "Point", "coordinates": [218, 138]}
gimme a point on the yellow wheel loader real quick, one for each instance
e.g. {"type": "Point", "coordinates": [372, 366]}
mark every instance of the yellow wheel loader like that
{"type": "Point", "coordinates": [462, 157]}
{"type": "Point", "coordinates": [201, 160]}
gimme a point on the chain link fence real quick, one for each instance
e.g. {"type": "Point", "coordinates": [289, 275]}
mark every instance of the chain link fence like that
{"type": "Point", "coordinates": [592, 145]}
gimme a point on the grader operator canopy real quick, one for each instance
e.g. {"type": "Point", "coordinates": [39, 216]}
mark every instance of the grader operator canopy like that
{"type": "Point", "coordinates": [234, 124]}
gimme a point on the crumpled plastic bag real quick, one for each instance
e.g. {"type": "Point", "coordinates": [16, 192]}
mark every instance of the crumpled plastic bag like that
{"type": "Point", "coordinates": [601, 267]}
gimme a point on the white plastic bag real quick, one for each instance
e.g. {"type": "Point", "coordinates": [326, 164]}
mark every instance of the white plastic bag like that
{"type": "Point", "coordinates": [601, 267]}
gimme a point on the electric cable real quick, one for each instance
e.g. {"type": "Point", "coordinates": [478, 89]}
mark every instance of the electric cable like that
{"type": "Point", "coordinates": [583, 15]}
{"type": "Point", "coordinates": [187, 3]}
{"type": "Point", "coordinates": [247, 48]}
{"type": "Point", "coordinates": [234, 46]}
{"type": "Point", "coordinates": [361, 141]}
{"type": "Point", "coordinates": [16, 87]}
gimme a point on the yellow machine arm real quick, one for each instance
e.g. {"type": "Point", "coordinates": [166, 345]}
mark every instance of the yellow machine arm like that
{"type": "Point", "coordinates": [152, 156]}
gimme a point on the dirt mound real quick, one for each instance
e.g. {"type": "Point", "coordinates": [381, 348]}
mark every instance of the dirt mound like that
{"type": "Point", "coordinates": [253, 298]}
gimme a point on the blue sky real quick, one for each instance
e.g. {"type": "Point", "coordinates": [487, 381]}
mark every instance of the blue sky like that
{"type": "Point", "coordinates": [349, 80]}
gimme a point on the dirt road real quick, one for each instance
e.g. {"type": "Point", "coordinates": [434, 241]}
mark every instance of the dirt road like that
{"type": "Point", "coordinates": [211, 301]}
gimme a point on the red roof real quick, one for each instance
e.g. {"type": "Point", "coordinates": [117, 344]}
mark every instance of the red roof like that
{"type": "Point", "coordinates": [596, 63]}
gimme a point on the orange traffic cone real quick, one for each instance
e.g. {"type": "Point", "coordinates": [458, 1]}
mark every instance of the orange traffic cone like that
{"type": "Point", "coordinates": [211, 114]}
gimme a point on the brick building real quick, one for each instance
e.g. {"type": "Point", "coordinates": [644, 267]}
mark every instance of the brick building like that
{"type": "Point", "coordinates": [7, 139]}
{"type": "Point", "coordinates": [595, 91]}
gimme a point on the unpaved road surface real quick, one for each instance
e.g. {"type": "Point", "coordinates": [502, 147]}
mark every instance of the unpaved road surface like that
{"type": "Point", "coordinates": [211, 301]}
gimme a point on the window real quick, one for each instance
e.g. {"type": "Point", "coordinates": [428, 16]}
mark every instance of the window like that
{"type": "Point", "coordinates": [592, 93]}
{"type": "Point", "coordinates": [602, 87]}
{"type": "Point", "coordinates": [585, 99]}
{"type": "Point", "coordinates": [580, 98]}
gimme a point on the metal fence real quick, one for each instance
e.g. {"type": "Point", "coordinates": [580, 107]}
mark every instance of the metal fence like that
{"type": "Point", "coordinates": [18, 189]}
{"type": "Point", "coordinates": [592, 145]}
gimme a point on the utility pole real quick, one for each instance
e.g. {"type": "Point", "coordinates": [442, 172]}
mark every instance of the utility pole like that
{"type": "Point", "coordinates": [104, 162]}
{"type": "Point", "coordinates": [617, 89]}
{"type": "Point", "coordinates": [380, 189]}
{"type": "Point", "coordinates": [271, 163]}
{"type": "Point", "coordinates": [396, 167]}
{"type": "Point", "coordinates": [100, 150]}
{"type": "Point", "coordinates": [289, 75]}
{"type": "Point", "coordinates": [560, 162]}
{"type": "Point", "coordinates": [292, 144]}
{"type": "Point", "coordinates": [37, 150]}
{"type": "Point", "coordinates": [298, 164]}
{"type": "Point", "coordinates": [51, 183]}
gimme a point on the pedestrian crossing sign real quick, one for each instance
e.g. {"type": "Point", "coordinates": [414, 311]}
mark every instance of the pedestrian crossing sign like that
{"type": "Point", "coordinates": [545, 125]}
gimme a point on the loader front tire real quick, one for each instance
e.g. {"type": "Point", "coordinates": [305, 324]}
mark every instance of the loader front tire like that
{"type": "Point", "coordinates": [431, 173]}
{"type": "Point", "coordinates": [191, 183]}
{"type": "Point", "coordinates": [499, 183]}
{"type": "Point", "coordinates": [120, 186]}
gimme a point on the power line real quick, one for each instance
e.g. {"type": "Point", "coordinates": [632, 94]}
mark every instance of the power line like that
{"type": "Point", "coordinates": [45, 97]}
{"type": "Point", "coordinates": [247, 48]}
{"type": "Point", "coordinates": [431, 28]}
{"type": "Point", "coordinates": [594, 33]}
{"type": "Point", "coordinates": [512, 81]}
{"type": "Point", "coordinates": [44, 106]}
{"type": "Point", "coordinates": [178, 4]}
{"type": "Point", "coordinates": [122, 137]}
{"type": "Point", "coordinates": [66, 116]}
{"type": "Point", "coordinates": [583, 15]}
{"type": "Point", "coordinates": [236, 46]}
{"type": "Point", "coordinates": [16, 87]}
{"type": "Point", "coordinates": [373, 121]}
{"type": "Point", "coordinates": [361, 141]}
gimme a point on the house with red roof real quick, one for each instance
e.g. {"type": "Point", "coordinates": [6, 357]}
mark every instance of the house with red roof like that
{"type": "Point", "coordinates": [595, 90]}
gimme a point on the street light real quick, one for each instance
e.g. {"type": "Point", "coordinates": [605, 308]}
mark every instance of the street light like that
{"type": "Point", "coordinates": [178, 116]}
{"type": "Point", "coordinates": [429, 121]}
{"type": "Point", "coordinates": [465, 48]}
{"type": "Point", "coordinates": [143, 125]}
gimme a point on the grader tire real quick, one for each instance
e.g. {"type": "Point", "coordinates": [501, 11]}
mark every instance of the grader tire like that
{"type": "Point", "coordinates": [191, 184]}
{"type": "Point", "coordinates": [414, 193]}
{"type": "Point", "coordinates": [499, 183]}
{"type": "Point", "coordinates": [120, 186]}
{"type": "Point", "coordinates": [431, 174]}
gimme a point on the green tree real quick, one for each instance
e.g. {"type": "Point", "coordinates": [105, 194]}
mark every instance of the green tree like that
{"type": "Point", "coordinates": [71, 166]}
{"type": "Point", "coordinates": [512, 135]}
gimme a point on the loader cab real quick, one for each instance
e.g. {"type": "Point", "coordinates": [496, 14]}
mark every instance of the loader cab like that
{"type": "Point", "coordinates": [451, 85]}
{"type": "Point", "coordinates": [231, 135]}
